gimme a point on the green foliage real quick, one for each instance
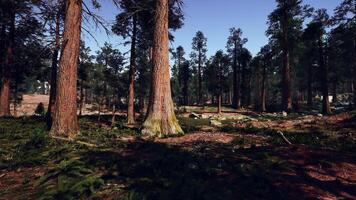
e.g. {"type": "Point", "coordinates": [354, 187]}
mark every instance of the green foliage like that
{"type": "Point", "coordinates": [71, 179]}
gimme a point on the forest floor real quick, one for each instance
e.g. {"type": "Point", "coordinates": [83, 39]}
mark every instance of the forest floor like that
{"type": "Point", "coordinates": [243, 156]}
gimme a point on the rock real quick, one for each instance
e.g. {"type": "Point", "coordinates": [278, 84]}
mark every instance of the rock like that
{"type": "Point", "coordinates": [205, 116]}
{"type": "Point", "coordinates": [320, 115]}
{"type": "Point", "coordinates": [214, 122]}
{"type": "Point", "coordinates": [284, 114]}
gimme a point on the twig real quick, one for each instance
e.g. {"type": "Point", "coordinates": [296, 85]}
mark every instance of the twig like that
{"type": "Point", "coordinates": [280, 133]}
{"type": "Point", "coordinates": [75, 141]}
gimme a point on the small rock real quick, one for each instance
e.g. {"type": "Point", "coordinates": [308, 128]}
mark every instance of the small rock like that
{"type": "Point", "coordinates": [320, 115]}
{"type": "Point", "coordinates": [284, 114]}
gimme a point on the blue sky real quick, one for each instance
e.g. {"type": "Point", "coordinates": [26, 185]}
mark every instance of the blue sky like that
{"type": "Point", "coordinates": [214, 18]}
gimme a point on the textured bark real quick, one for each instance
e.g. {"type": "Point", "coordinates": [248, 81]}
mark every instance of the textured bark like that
{"type": "Point", "coordinates": [243, 86]}
{"type": "Point", "coordinates": [6, 79]}
{"type": "Point", "coordinates": [324, 82]}
{"type": "Point", "coordinates": [132, 73]}
{"type": "Point", "coordinates": [54, 69]}
{"type": "Point", "coordinates": [65, 110]}
{"type": "Point", "coordinates": [161, 120]}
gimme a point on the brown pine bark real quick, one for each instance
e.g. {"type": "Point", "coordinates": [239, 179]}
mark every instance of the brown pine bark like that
{"type": "Point", "coordinates": [54, 69]}
{"type": "Point", "coordinates": [161, 120]}
{"type": "Point", "coordinates": [132, 74]}
{"type": "Point", "coordinates": [6, 79]}
{"type": "Point", "coordinates": [65, 110]}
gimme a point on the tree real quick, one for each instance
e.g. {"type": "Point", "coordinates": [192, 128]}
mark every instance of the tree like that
{"type": "Point", "coordinates": [198, 58]}
{"type": "Point", "coordinates": [184, 75]}
{"type": "Point", "coordinates": [10, 15]}
{"type": "Point", "coordinates": [234, 47]}
{"type": "Point", "coordinates": [244, 59]}
{"type": "Point", "coordinates": [160, 119]}
{"type": "Point", "coordinates": [345, 14]}
{"type": "Point", "coordinates": [178, 56]}
{"type": "Point", "coordinates": [127, 25]}
{"type": "Point", "coordinates": [65, 111]}
{"type": "Point", "coordinates": [284, 26]}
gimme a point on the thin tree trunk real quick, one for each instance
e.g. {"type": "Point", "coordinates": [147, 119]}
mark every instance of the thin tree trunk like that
{"type": "Point", "coordinates": [235, 81]}
{"type": "Point", "coordinates": [354, 66]}
{"type": "Point", "coordinates": [65, 110]}
{"type": "Point", "coordinates": [81, 100]}
{"type": "Point", "coordinates": [310, 89]}
{"type": "Point", "coordinates": [54, 69]}
{"type": "Point", "coordinates": [161, 120]}
{"type": "Point", "coordinates": [243, 86]}
{"type": "Point", "coordinates": [132, 73]}
{"type": "Point", "coordinates": [6, 79]}
{"type": "Point", "coordinates": [325, 88]}
{"type": "Point", "coordinates": [263, 90]}
{"type": "Point", "coordinates": [286, 77]}
{"type": "Point", "coordinates": [200, 95]}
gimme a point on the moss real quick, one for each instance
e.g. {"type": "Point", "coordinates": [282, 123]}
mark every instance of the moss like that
{"type": "Point", "coordinates": [157, 128]}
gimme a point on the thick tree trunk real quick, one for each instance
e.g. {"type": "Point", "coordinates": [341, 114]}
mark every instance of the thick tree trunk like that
{"type": "Point", "coordinates": [161, 120]}
{"type": "Point", "coordinates": [132, 74]}
{"type": "Point", "coordinates": [6, 79]}
{"type": "Point", "coordinates": [324, 81]}
{"type": "Point", "coordinates": [54, 69]}
{"type": "Point", "coordinates": [65, 110]}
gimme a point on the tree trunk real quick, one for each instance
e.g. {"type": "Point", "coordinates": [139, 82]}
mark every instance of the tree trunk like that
{"type": "Point", "coordinates": [310, 89]}
{"type": "Point", "coordinates": [286, 78]}
{"type": "Point", "coordinates": [243, 86]}
{"type": "Point", "coordinates": [81, 100]}
{"type": "Point", "coordinates": [54, 69]}
{"type": "Point", "coordinates": [161, 120]}
{"type": "Point", "coordinates": [132, 73]}
{"type": "Point", "coordinates": [354, 66]}
{"type": "Point", "coordinates": [324, 84]}
{"type": "Point", "coordinates": [65, 110]}
{"type": "Point", "coordinates": [235, 81]}
{"type": "Point", "coordinates": [263, 90]}
{"type": "Point", "coordinates": [200, 95]}
{"type": "Point", "coordinates": [6, 79]}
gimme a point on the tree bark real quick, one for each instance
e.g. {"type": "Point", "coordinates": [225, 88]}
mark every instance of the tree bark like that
{"type": "Point", "coordinates": [6, 79]}
{"type": "Point", "coordinates": [81, 100]}
{"type": "Point", "coordinates": [354, 68]}
{"type": "Point", "coordinates": [161, 120]}
{"type": "Point", "coordinates": [54, 69]}
{"type": "Point", "coordinates": [65, 110]}
{"type": "Point", "coordinates": [132, 73]}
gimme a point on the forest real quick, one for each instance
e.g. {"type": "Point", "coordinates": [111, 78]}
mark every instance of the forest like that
{"type": "Point", "coordinates": [146, 119]}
